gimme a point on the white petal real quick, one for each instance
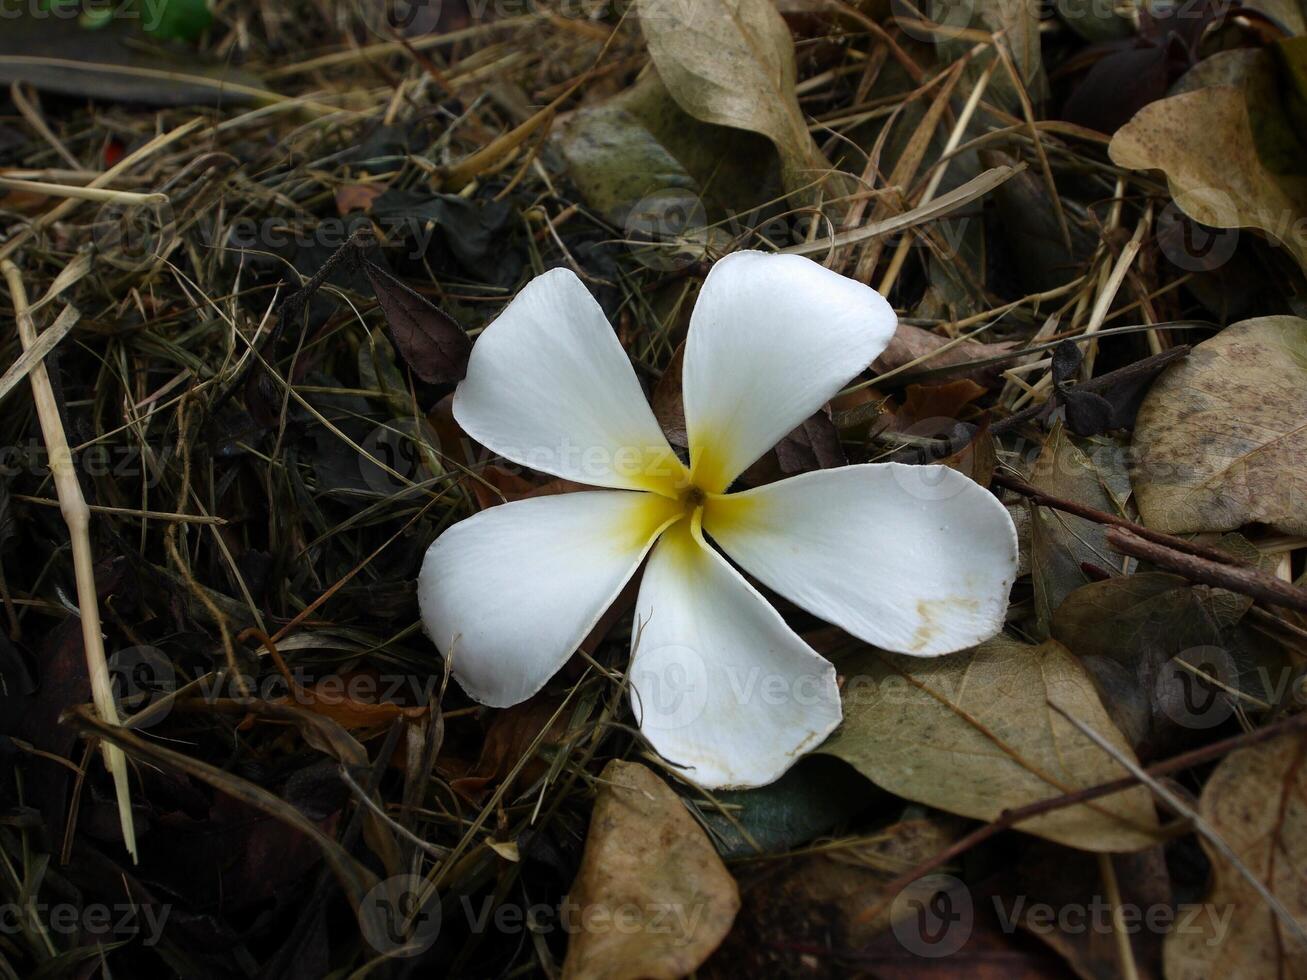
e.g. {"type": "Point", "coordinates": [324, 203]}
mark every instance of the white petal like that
{"type": "Point", "coordinates": [772, 339]}
{"type": "Point", "coordinates": [509, 593]}
{"type": "Point", "coordinates": [914, 559]}
{"type": "Point", "coordinates": [549, 386]}
{"type": "Point", "coordinates": [719, 684]}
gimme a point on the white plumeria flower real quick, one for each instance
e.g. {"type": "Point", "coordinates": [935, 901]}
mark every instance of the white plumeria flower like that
{"type": "Point", "coordinates": [913, 559]}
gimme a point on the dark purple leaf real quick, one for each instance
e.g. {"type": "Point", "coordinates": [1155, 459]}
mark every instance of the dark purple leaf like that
{"type": "Point", "coordinates": [429, 339]}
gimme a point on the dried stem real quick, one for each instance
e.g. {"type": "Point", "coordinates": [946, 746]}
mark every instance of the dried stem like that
{"type": "Point", "coordinates": [1197, 568]}
{"type": "Point", "coordinates": [77, 515]}
{"type": "Point", "coordinates": [1201, 826]}
{"type": "Point", "coordinates": [1168, 541]}
{"type": "Point", "coordinates": [1011, 818]}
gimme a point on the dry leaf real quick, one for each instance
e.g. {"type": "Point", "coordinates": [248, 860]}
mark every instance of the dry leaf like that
{"type": "Point", "coordinates": [494, 485]}
{"type": "Point", "coordinates": [731, 62]}
{"type": "Point", "coordinates": [1221, 438]}
{"type": "Point", "coordinates": [934, 403]}
{"type": "Point", "coordinates": [511, 736]}
{"type": "Point", "coordinates": [357, 197]}
{"type": "Point", "coordinates": [331, 697]}
{"type": "Point", "coordinates": [429, 339]}
{"type": "Point", "coordinates": [1257, 801]}
{"type": "Point", "coordinates": [652, 897]}
{"type": "Point", "coordinates": [1060, 543]}
{"type": "Point", "coordinates": [910, 343]}
{"type": "Point", "coordinates": [1203, 141]}
{"type": "Point", "coordinates": [972, 733]}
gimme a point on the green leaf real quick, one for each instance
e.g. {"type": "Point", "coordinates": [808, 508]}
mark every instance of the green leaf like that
{"type": "Point", "coordinates": [807, 801]}
{"type": "Point", "coordinates": [175, 20]}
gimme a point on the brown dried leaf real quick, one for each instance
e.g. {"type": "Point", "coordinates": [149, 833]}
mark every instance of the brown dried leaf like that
{"type": "Point", "coordinates": [1221, 438]}
{"type": "Point", "coordinates": [1203, 141]}
{"type": "Point", "coordinates": [1257, 801]}
{"type": "Point", "coordinates": [510, 736]}
{"type": "Point", "coordinates": [650, 868]}
{"type": "Point", "coordinates": [910, 343]}
{"type": "Point", "coordinates": [331, 698]}
{"type": "Point", "coordinates": [731, 62]}
{"type": "Point", "coordinates": [357, 197]}
{"type": "Point", "coordinates": [1071, 882]}
{"type": "Point", "coordinates": [933, 402]}
{"type": "Point", "coordinates": [972, 733]}
{"type": "Point", "coordinates": [823, 899]}
{"type": "Point", "coordinates": [429, 339]}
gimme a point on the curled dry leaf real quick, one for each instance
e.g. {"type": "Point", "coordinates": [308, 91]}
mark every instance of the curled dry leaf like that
{"type": "Point", "coordinates": [652, 898]}
{"type": "Point", "coordinates": [1203, 141]}
{"type": "Point", "coordinates": [1256, 800]}
{"type": "Point", "coordinates": [1221, 438]}
{"type": "Point", "coordinates": [731, 62]}
{"type": "Point", "coordinates": [972, 733]}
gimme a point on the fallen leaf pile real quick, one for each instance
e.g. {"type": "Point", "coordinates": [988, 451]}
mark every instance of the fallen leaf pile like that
{"type": "Point", "coordinates": [257, 245]}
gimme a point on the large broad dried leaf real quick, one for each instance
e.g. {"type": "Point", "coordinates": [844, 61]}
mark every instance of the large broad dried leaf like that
{"type": "Point", "coordinates": [1257, 801]}
{"type": "Point", "coordinates": [1127, 629]}
{"type": "Point", "coordinates": [651, 874]}
{"type": "Point", "coordinates": [731, 62]}
{"type": "Point", "coordinates": [1204, 142]}
{"type": "Point", "coordinates": [972, 733]}
{"type": "Point", "coordinates": [910, 343]}
{"type": "Point", "coordinates": [1221, 438]}
{"type": "Point", "coordinates": [428, 338]}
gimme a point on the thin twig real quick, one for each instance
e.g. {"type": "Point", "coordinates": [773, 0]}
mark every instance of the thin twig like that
{"type": "Point", "coordinates": [1009, 819]}
{"type": "Point", "coordinates": [1201, 826]}
{"type": "Point", "coordinates": [1169, 541]}
{"type": "Point", "coordinates": [78, 518]}
{"type": "Point", "coordinates": [1197, 568]}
